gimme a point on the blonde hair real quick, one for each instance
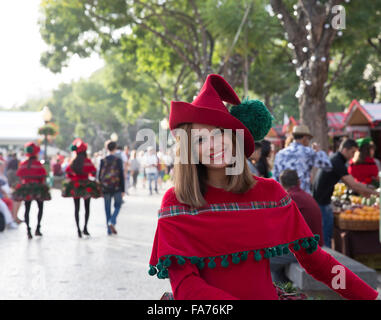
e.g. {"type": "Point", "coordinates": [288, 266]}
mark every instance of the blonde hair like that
{"type": "Point", "coordinates": [190, 179]}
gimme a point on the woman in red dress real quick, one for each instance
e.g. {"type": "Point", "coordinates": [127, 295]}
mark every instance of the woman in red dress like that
{"type": "Point", "coordinates": [78, 185]}
{"type": "Point", "coordinates": [32, 185]}
{"type": "Point", "coordinates": [363, 167]}
{"type": "Point", "coordinates": [219, 225]}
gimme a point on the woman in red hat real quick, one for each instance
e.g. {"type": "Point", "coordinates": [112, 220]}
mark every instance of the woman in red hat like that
{"type": "Point", "coordinates": [219, 225]}
{"type": "Point", "coordinates": [78, 184]}
{"type": "Point", "coordinates": [32, 185]}
{"type": "Point", "coordinates": [362, 166]}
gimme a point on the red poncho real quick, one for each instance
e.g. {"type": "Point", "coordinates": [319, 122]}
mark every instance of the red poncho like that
{"type": "Point", "coordinates": [222, 250]}
{"type": "Point", "coordinates": [34, 172]}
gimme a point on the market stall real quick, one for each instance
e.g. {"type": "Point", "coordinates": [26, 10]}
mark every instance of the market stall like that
{"type": "Point", "coordinates": [356, 226]}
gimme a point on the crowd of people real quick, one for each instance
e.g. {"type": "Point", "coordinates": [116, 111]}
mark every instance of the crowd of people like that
{"type": "Point", "coordinates": [111, 173]}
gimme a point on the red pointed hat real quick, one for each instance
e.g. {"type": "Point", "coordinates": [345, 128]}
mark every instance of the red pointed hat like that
{"type": "Point", "coordinates": [78, 146]}
{"type": "Point", "coordinates": [31, 149]}
{"type": "Point", "coordinates": [208, 108]}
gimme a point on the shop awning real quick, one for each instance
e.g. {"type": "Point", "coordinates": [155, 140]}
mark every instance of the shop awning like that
{"type": "Point", "coordinates": [336, 122]}
{"type": "Point", "coordinates": [366, 114]}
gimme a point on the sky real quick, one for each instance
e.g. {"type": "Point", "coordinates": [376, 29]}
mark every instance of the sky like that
{"type": "Point", "coordinates": [21, 74]}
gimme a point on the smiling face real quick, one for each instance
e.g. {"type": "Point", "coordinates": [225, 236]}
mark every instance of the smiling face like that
{"type": "Point", "coordinates": [213, 145]}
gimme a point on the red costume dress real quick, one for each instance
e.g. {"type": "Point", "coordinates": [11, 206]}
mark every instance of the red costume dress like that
{"type": "Point", "coordinates": [32, 187]}
{"type": "Point", "coordinates": [79, 185]}
{"type": "Point", "coordinates": [222, 250]}
{"type": "Point", "coordinates": [365, 172]}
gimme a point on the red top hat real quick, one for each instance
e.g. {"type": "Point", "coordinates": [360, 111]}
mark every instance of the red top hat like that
{"type": "Point", "coordinates": [31, 149]}
{"type": "Point", "coordinates": [208, 108]}
{"type": "Point", "coordinates": [78, 145]}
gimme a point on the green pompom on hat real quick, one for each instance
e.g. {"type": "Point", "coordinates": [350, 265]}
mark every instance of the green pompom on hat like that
{"type": "Point", "coordinates": [29, 149]}
{"type": "Point", "coordinates": [255, 116]}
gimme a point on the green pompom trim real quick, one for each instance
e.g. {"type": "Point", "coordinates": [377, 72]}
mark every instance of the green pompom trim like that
{"type": "Point", "coordinates": [180, 260]}
{"type": "Point", "coordinates": [244, 255]}
{"type": "Point", "coordinates": [309, 244]}
{"type": "Point", "coordinates": [211, 263]}
{"type": "Point", "coordinates": [167, 262]}
{"type": "Point", "coordinates": [255, 116]}
{"type": "Point", "coordinates": [235, 258]}
{"type": "Point", "coordinates": [224, 262]}
{"type": "Point", "coordinates": [152, 270]}
{"type": "Point", "coordinates": [29, 149]}
{"type": "Point", "coordinates": [257, 255]}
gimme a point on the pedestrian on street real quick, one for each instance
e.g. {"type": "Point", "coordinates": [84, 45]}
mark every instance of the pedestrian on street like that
{"type": "Point", "coordinates": [324, 184]}
{"type": "Point", "coordinates": [78, 184]}
{"type": "Point", "coordinates": [216, 231]}
{"type": "Point", "coordinates": [127, 170]}
{"type": "Point", "coordinates": [11, 168]}
{"type": "Point", "coordinates": [32, 185]}
{"type": "Point", "coordinates": [134, 165]}
{"type": "Point", "coordinates": [151, 162]}
{"type": "Point", "coordinates": [111, 178]}
{"type": "Point", "coordinates": [301, 157]}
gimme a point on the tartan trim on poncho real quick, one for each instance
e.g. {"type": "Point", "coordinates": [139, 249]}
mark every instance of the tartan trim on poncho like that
{"type": "Point", "coordinates": [176, 210]}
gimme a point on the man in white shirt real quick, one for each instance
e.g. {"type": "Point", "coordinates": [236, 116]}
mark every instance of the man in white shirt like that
{"type": "Point", "coordinates": [150, 162]}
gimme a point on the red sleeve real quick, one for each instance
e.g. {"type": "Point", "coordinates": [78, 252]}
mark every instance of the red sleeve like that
{"type": "Point", "coordinates": [188, 285]}
{"type": "Point", "coordinates": [320, 265]}
{"type": "Point", "coordinates": [69, 171]}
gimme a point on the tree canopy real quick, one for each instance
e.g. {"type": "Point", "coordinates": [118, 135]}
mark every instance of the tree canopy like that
{"type": "Point", "coordinates": [157, 51]}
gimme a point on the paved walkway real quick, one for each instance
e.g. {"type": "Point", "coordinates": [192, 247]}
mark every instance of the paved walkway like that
{"type": "Point", "coordinates": [62, 266]}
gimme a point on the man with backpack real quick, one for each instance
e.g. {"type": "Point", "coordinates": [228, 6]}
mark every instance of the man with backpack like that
{"type": "Point", "coordinates": [111, 178]}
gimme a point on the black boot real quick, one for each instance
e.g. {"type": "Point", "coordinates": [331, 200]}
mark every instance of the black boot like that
{"type": "Point", "coordinates": [29, 234]}
{"type": "Point", "coordinates": [79, 233]}
{"type": "Point", "coordinates": [85, 232]}
{"type": "Point", "coordinates": [38, 232]}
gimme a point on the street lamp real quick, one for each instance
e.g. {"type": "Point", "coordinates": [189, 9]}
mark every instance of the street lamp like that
{"type": "Point", "coordinates": [46, 114]}
{"type": "Point", "coordinates": [164, 124]}
{"type": "Point", "coordinates": [114, 137]}
{"type": "Point", "coordinates": [47, 117]}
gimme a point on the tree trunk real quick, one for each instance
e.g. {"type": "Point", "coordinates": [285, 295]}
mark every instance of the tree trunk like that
{"type": "Point", "coordinates": [313, 114]}
{"type": "Point", "coordinates": [312, 104]}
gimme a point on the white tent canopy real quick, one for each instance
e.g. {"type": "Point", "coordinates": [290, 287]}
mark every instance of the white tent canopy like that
{"type": "Point", "coordinates": [17, 128]}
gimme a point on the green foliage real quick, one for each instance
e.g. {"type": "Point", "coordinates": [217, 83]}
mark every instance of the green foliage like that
{"type": "Point", "coordinates": [158, 51]}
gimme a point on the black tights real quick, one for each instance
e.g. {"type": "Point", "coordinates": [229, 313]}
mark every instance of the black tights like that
{"type": "Point", "coordinates": [40, 212]}
{"type": "Point", "coordinates": [76, 211]}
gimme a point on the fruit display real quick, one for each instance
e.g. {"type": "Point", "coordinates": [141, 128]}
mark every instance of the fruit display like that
{"type": "Point", "coordinates": [364, 213]}
{"type": "Point", "coordinates": [344, 198]}
{"type": "Point", "coordinates": [340, 190]}
{"type": "Point", "coordinates": [354, 212]}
